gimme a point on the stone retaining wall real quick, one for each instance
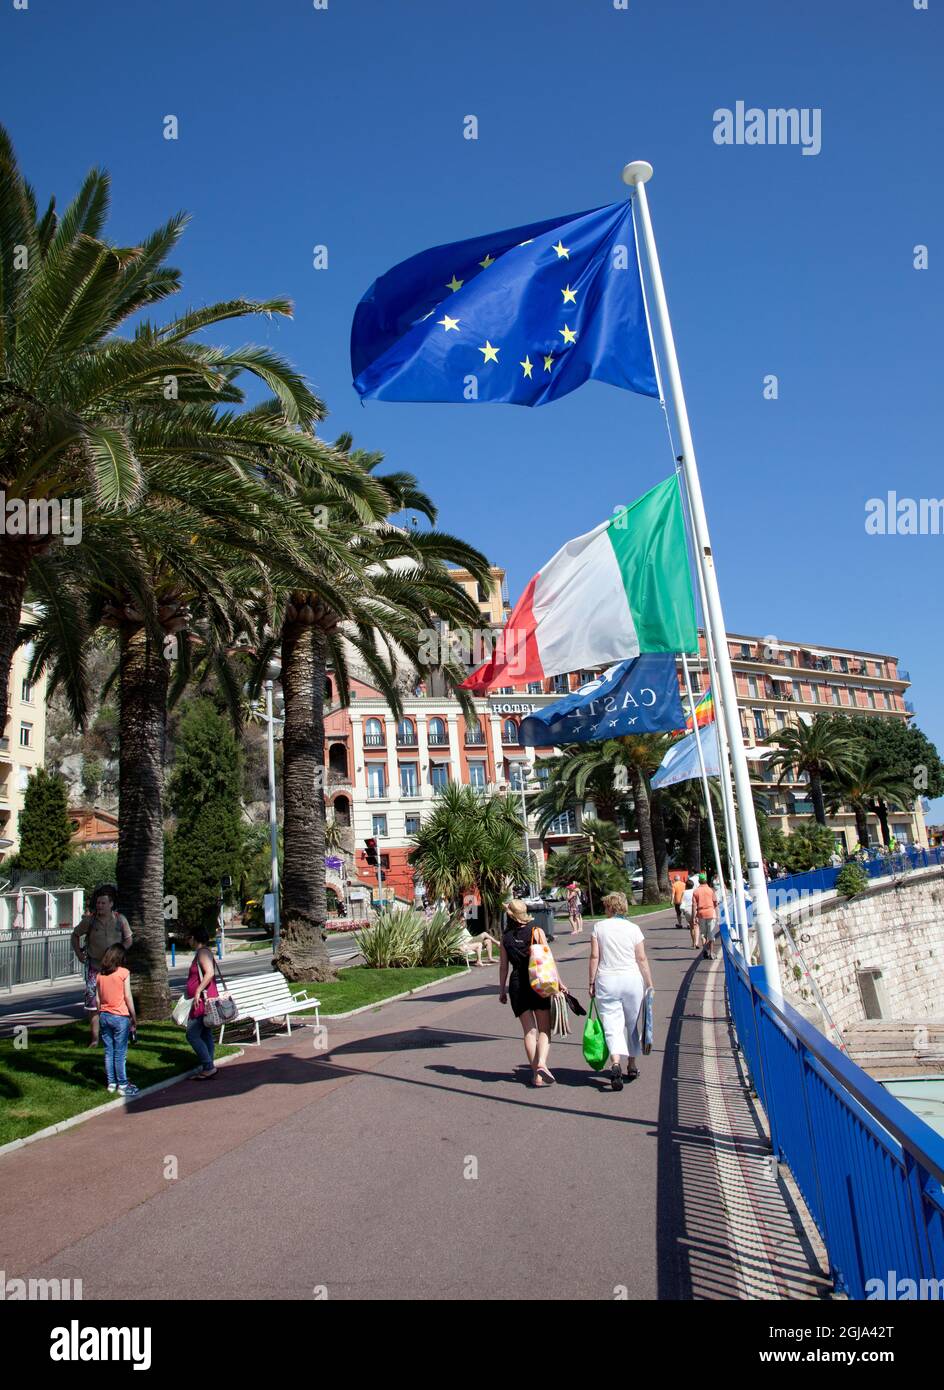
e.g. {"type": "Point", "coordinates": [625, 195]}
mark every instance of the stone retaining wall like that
{"type": "Point", "coordinates": [895, 929]}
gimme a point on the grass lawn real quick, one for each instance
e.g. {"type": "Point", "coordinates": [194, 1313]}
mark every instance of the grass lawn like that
{"type": "Point", "coordinates": [57, 1075]}
{"type": "Point", "coordinates": [636, 910]}
{"type": "Point", "coordinates": [360, 985]}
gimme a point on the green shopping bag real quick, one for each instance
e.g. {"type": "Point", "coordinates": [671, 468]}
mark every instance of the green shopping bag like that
{"type": "Point", "coordinates": [595, 1049]}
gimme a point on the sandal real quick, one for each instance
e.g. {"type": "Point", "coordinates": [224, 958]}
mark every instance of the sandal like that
{"type": "Point", "coordinates": [550, 1080]}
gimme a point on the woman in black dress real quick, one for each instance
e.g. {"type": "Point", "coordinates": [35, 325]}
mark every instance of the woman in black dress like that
{"type": "Point", "coordinates": [532, 1011]}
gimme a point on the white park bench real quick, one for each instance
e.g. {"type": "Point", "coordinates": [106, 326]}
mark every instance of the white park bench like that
{"type": "Point", "coordinates": [259, 997]}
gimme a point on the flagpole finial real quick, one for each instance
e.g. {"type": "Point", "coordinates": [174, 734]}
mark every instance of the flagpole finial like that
{"type": "Point", "coordinates": [637, 171]}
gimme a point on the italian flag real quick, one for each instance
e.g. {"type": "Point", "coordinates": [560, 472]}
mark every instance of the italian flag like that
{"type": "Point", "coordinates": [622, 589]}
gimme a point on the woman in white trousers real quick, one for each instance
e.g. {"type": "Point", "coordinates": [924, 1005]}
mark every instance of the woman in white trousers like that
{"type": "Point", "coordinates": [619, 978]}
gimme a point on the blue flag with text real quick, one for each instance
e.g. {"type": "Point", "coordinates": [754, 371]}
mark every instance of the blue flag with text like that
{"type": "Point", "coordinates": [634, 697]}
{"type": "Point", "coordinates": [522, 316]}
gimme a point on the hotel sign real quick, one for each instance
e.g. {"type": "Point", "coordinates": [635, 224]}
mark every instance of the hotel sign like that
{"type": "Point", "coordinates": [511, 707]}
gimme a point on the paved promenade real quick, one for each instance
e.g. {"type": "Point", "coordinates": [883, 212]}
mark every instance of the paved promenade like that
{"type": "Point", "coordinates": [411, 1161]}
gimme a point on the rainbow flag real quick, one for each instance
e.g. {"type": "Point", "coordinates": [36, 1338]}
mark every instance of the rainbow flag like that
{"type": "Point", "coordinates": [704, 710]}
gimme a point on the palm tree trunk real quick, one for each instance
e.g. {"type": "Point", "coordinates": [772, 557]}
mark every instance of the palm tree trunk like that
{"type": "Point", "coordinates": [881, 810]}
{"type": "Point", "coordinates": [303, 952]}
{"type": "Point", "coordinates": [650, 875]}
{"type": "Point", "coordinates": [15, 559]}
{"type": "Point", "coordinates": [658, 841]}
{"type": "Point", "coordinates": [816, 796]}
{"type": "Point", "coordinates": [862, 823]}
{"type": "Point", "coordinates": [693, 841]}
{"type": "Point", "coordinates": [143, 680]}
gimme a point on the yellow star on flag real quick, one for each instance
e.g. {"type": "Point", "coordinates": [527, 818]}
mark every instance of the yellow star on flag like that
{"type": "Point", "coordinates": [449, 323]}
{"type": "Point", "coordinates": [568, 334]}
{"type": "Point", "coordinates": [454, 284]}
{"type": "Point", "coordinates": [489, 260]}
{"type": "Point", "coordinates": [490, 353]}
{"type": "Point", "coordinates": [561, 250]}
{"type": "Point", "coordinates": [527, 364]}
{"type": "Point", "coordinates": [548, 362]}
{"type": "Point", "coordinates": [570, 296]}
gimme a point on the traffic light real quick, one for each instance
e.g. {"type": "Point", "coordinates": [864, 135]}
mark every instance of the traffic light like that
{"type": "Point", "coordinates": [371, 851]}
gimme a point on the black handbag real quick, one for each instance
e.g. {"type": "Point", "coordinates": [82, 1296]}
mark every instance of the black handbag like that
{"type": "Point", "coordinates": [574, 1005]}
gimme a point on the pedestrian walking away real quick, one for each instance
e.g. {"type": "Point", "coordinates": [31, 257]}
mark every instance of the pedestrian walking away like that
{"type": "Point", "coordinates": [574, 894]}
{"type": "Point", "coordinates": [531, 1010]}
{"type": "Point", "coordinates": [706, 915]}
{"type": "Point", "coordinates": [118, 1020]}
{"type": "Point", "coordinates": [678, 892]}
{"type": "Point", "coordinates": [100, 928]}
{"type": "Point", "coordinates": [619, 977]}
{"type": "Point", "coordinates": [688, 911]}
{"type": "Point", "coordinates": [201, 981]}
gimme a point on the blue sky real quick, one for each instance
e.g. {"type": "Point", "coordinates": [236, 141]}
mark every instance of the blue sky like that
{"type": "Point", "coordinates": [344, 127]}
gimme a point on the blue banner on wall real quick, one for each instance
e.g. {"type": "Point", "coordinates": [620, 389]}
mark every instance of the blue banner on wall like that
{"type": "Point", "coordinates": [640, 696]}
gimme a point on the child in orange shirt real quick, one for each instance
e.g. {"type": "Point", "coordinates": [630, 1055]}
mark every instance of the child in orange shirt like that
{"type": "Point", "coordinates": [118, 1019]}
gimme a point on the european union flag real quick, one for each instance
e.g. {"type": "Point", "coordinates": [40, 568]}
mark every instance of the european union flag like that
{"type": "Point", "coordinates": [639, 696]}
{"type": "Point", "coordinates": [522, 316]}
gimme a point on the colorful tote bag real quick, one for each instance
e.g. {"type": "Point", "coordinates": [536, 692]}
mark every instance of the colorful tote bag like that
{"type": "Point", "coordinates": [542, 969]}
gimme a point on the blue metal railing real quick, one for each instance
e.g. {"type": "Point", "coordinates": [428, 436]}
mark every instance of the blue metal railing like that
{"type": "Point", "coordinates": [869, 1170]}
{"type": "Point", "coordinates": [781, 891]}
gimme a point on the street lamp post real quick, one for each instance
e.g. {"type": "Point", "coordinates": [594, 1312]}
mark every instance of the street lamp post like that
{"type": "Point", "coordinates": [522, 769]}
{"type": "Point", "coordinates": [273, 820]}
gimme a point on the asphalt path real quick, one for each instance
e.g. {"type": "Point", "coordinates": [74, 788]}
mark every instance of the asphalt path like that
{"type": "Point", "coordinates": [403, 1156]}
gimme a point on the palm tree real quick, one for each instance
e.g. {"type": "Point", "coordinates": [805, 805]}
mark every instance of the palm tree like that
{"type": "Point", "coordinates": [373, 597]}
{"type": "Point", "coordinates": [471, 843]}
{"type": "Point", "coordinates": [83, 410]}
{"type": "Point", "coordinates": [599, 843]}
{"type": "Point", "coordinates": [821, 748]}
{"type": "Point", "coordinates": [863, 788]}
{"type": "Point", "coordinates": [558, 794]}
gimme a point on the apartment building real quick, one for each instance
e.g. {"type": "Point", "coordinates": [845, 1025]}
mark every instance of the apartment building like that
{"type": "Point", "coordinates": [779, 683]}
{"type": "Point", "coordinates": [384, 774]}
{"type": "Point", "coordinates": [23, 743]}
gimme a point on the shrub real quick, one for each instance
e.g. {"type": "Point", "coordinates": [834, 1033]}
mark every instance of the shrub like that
{"type": "Point", "coordinates": [439, 938]}
{"type": "Point", "coordinates": [402, 937]}
{"type": "Point", "coordinates": [393, 941]}
{"type": "Point", "coordinates": [851, 879]}
{"type": "Point", "coordinates": [87, 868]}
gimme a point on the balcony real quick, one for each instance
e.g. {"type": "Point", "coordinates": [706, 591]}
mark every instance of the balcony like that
{"type": "Point", "coordinates": [407, 741]}
{"type": "Point", "coordinates": [474, 739]}
{"type": "Point", "coordinates": [437, 741]}
{"type": "Point", "coordinates": [375, 741]}
{"type": "Point", "coordinates": [902, 676]}
{"type": "Point", "coordinates": [909, 707]}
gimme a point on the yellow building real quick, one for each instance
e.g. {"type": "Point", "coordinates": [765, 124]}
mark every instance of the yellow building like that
{"type": "Point", "coordinates": [23, 744]}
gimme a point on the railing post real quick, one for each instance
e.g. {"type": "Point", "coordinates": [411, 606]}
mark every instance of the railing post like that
{"type": "Point", "coordinates": [916, 1178]}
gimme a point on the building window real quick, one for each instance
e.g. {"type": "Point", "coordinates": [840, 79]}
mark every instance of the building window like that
{"type": "Point", "coordinates": [752, 687]}
{"type": "Point", "coordinates": [376, 780]}
{"type": "Point", "coordinates": [565, 824]}
{"type": "Point", "coordinates": [560, 685]}
{"type": "Point", "coordinates": [745, 651]}
{"type": "Point", "coordinates": [844, 665]}
{"type": "Point", "coordinates": [412, 825]}
{"type": "Point", "coordinates": [408, 780]}
{"type": "Point", "coordinates": [543, 773]}
{"type": "Point", "coordinates": [439, 776]}
{"type": "Point", "coordinates": [835, 694]}
{"type": "Point", "coordinates": [26, 735]}
{"type": "Point", "coordinates": [871, 698]}
{"type": "Point", "coordinates": [474, 733]}
{"type": "Point", "coordinates": [509, 731]}
{"type": "Point", "coordinates": [26, 692]}
{"type": "Point", "coordinates": [506, 690]}
{"type": "Point", "coordinates": [437, 733]}
{"type": "Point", "coordinates": [477, 776]}
{"type": "Point", "coordinates": [406, 734]}
{"type": "Point", "coordinates": [535, 688]}
{"type": "Point", "coordinates": [887, 699]}
{"type": "Point", "coordinates": [373, 733]}
{"type": "Point", "coordinates": [379, 826]}
{"type": "Point", "coordinates": [760, 724]}
{"type": "Point", "coordinates": [781, 717]}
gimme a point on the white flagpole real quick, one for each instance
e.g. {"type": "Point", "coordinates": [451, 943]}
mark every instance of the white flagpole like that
{"type": "Point", "coordinates": [709, 808]}
{"type": "Point", "coordinates": [637, 174]}
{"type": "Point", "coordinates": [727, 791]}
